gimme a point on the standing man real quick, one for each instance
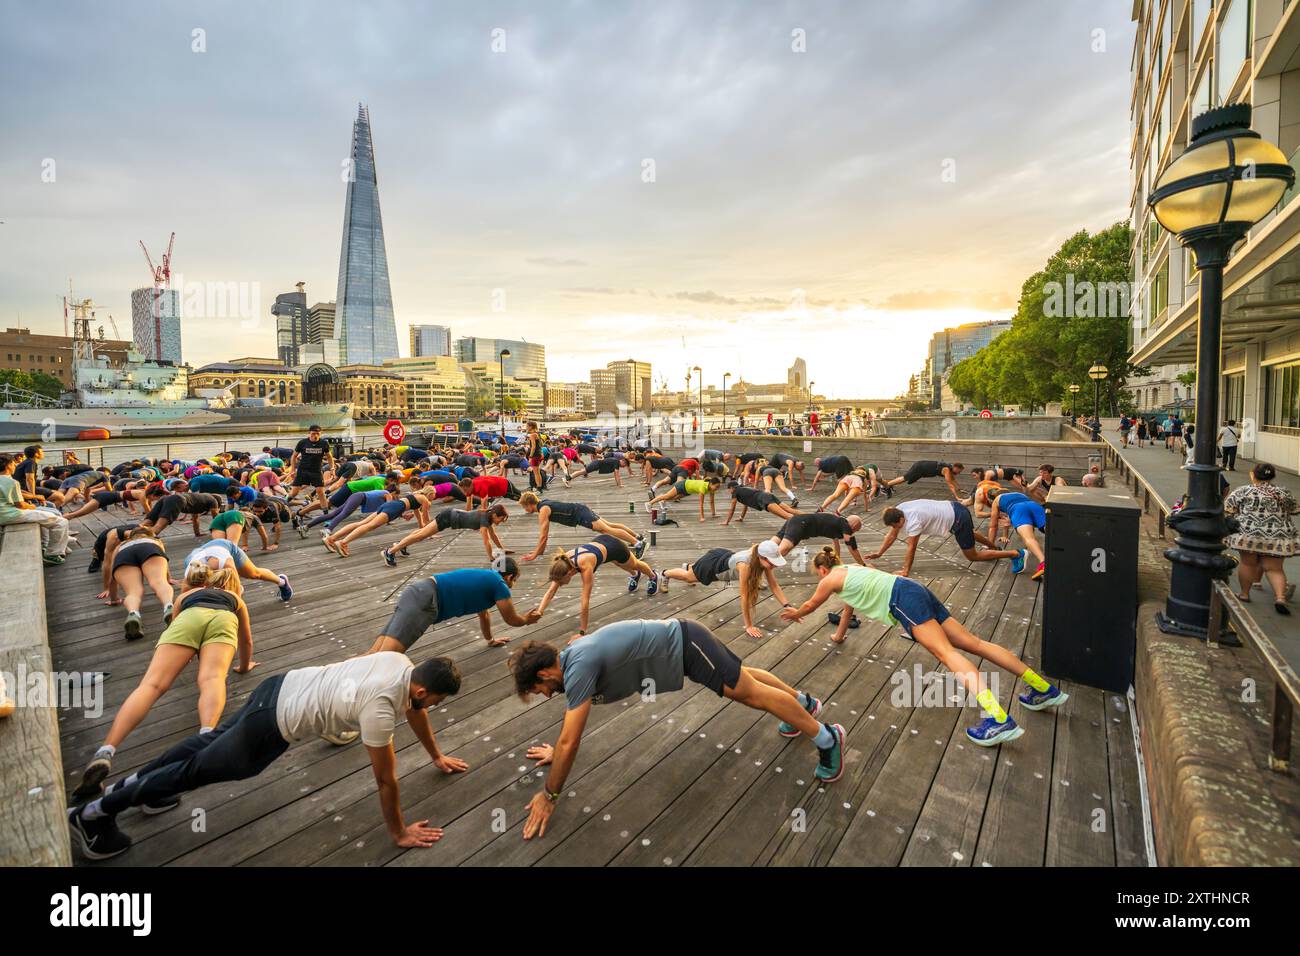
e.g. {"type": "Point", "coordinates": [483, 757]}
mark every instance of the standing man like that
{"type": "Point", "coordinates": [626, 658]}
{"type": "Point", "coordinates": [311, 458]}
{"type": "Point", "coordinates": [1228, 438]}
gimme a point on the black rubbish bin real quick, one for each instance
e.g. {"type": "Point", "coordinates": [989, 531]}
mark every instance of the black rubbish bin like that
{"type": "Point", "coordinates": [1090, 595]}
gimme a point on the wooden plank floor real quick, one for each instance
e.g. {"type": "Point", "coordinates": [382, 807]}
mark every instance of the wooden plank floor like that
{"type": "Point", "coordinates": [687, 779]}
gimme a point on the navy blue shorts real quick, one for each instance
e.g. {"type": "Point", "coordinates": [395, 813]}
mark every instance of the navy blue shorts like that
{"type": "Point", "coordinates": [393, 509]}
{"type": "Point", "coordinates": [963, 528]}
{"type": "Point", "coordinates": [911, 604]}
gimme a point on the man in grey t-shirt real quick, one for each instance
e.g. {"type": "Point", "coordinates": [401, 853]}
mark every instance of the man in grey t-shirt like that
{"type": "Point", "coordinates": [649, 657]}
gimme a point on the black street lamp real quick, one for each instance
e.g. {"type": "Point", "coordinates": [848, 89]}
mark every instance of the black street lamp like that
{"type": "Point", "coordinates": [1097, 373]}
{"type": "Point", "coordinates": [725, 376]}
{"type": "Point", "coordinates": [700, 376]}
{"type": "Point", "coordinates": [1227, 180]}
{"type": "Point", "coordinates": [501, 392]}
{"type": "Point", "coordinates": [1074, 402]}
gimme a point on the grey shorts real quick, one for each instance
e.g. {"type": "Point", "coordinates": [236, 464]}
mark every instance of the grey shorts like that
{"type": "Point", "coordinates": [416, 612]}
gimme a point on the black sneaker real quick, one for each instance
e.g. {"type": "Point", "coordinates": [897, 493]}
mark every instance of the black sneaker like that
{"type": "Point", "coordinates": [95, 565]}
{"type": "Point", "coordinates": [389, 559]}
{"type": "Point", "coordinates": [162, 806]}
{"type": "Point", "coordinates": [92, 780]}
{"type": "Point", "coordinates": [99, 839]}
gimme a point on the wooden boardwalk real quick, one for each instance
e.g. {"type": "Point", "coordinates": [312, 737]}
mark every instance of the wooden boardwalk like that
{"type": "Point", "coordinates": [687, 779]}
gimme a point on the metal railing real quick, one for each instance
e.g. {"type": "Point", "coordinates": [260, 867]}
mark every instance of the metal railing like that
{"type": "Point", "coordinates": [1286, 684]}
{"type": "Point", "coordinates": [1142, 489]}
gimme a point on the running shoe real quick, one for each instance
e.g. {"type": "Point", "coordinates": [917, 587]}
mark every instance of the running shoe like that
{"type": "Point", "coordinates": [794, 502]}
{"type": "Point", "coordinates": [1042, 569]}
{"type": "Point", "coordinates": [389, 558]}
{"type": "Point", "coordinates": [830, 762]}
{"type": "Point", "coordinates": [132, 627]}
{"type": "Point", "coordinates": [1042, 699]}
{"type": "Point", "coordinates": [92, 780]}
{"type": "Point", "coordinates": [286, 591]}
{"type": "Point", "coordinates": [989, 732]}
{"type": "Point", "coordinates": [300, 526]}
{"type": "Point", "coordinates": [95, 565]}
{"type": "Point", "coordinates": [162, 806]}
{"type": "Point", "coordinates": [663, 581]}
{"type": "Point", "coordinates": [167, 615]}
{"type": "Point", "coordinates": [649, 494]}
{"type": "Point", "coordinates": [341, 739]}
{"type": "Point", "coordinates": [834, 618]}
{"type": "Point", "coordinates": [889, 491]}
{"type": "Point", "coordinates": [1018, 562]}
{"type": "Point", "coordinates": [814, 708]}
{"type": "Point", "coordinates": [652, 586]}
{"type": "Point", "coordinates": [405, 552]}
{"type": "Point", "coordinates": [633, 582]}
{"type": "Point", "coordinates": [639, 548]}
{"type": "Point", "coordinates": [52, 560]}
{"type": "Point", "coordinates": [99, 839]}
{"type": "Point", "coordinates": [325, 540]}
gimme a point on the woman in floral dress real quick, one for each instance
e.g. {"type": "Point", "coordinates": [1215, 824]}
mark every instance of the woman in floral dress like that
{"type": "Point", "coordinates": [1266, 537]}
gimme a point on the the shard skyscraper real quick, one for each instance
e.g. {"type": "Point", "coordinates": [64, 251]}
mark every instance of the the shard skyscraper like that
{"type": "Point", "coordinates": [364, 325]}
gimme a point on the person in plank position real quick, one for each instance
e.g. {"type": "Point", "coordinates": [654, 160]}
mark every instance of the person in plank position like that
{"type": "Point", "coordinates": [820, 525]}
{"type": "Point", "coordinates": [748, 567]}
{"type": "Point", "coordinates": [930, 469]}
{"type": "Point", "coordinates": [747, 497]}
{"type": "Point", "coordinates": [891, 599]}
{"type": "Point", "coordinates": [925, 517]}
{"type": "Point", "coordinates": [454, 594]}
{"type": "Point", "coordinates": [619, 659]}
{"type": "Point", "coordinates": [369, 694]}
{"type": "Point", "coordinates": [484, 522]}
{"type": "Point", "coordinates": [573, 514]}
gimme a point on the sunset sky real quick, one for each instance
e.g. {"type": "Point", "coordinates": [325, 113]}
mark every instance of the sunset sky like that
{"type": "Point", "coordinates": [799, 206]}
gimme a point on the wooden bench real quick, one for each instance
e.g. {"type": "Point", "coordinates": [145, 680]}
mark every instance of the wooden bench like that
{"type": "Point", "coordinates": [33, 828]}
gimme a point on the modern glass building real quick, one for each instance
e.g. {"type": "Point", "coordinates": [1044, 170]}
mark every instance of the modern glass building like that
{"type": "Point", "coordinates": [1188, 56]}
{"type": "Point", "coordinates": [290, 311]}
{"type": "Point", "coordinates": [427, 340]}
{"type": "Point", "coordinates": [156, 324]}
{"type": "Point", "coordinates": [365, 326]}
{"type": "Point", "coordinates": [950, 346]}
{"type": "Point", "coordinates": [525, 361]}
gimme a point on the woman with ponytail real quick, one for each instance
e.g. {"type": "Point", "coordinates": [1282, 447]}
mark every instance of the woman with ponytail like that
{"type": "Point", "coordinates": [891, 600]}
{"type": "Point", "coordinates": [211, 622]}
{"type": "Point", "coordinates": [748, 567]}
{"type": "Point", "coordinates": [585, 560]}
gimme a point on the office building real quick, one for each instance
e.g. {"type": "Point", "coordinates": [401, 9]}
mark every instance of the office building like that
{"type": "Point", "coordinates": [430, 340]}
{"type": "Point", "coordinates": [290, 311]}
{"type": "Point", "coordinates": [156, 324]}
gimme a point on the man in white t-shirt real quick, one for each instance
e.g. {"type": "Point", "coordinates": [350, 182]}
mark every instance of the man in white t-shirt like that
{"type": "Point", "coordinates": [923, 517]}
{"type": "Point", "coordinates": [369, 694]}
{"type": "Point", "coordinates": [1228, 440]}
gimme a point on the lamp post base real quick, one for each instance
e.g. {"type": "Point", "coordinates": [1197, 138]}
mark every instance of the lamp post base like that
{"type": "Point", "coordinates": [1168, 625]}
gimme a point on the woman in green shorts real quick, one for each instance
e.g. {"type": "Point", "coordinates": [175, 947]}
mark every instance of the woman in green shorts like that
{"type": "Point", "coordinates": [229, 525]}
{"type": "Point", "coordinates": [210, 621]}
{"type": "Point", "coordinates": [922, 617]}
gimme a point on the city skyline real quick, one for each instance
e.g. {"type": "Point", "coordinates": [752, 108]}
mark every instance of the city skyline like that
{"type": "Point", "coordinates": [515, 213]}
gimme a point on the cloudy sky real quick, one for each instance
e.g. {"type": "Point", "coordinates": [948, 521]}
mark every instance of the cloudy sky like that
{"type": "Point", "coordinates": [725, 184]}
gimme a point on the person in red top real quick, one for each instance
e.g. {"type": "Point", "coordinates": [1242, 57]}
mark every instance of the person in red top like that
{"type": "Point", "coordinates": [769, 418]}
{"type": "Point", "coordinates": [812, 421]}
{"type": "Point", "coordinates": [486, 487]}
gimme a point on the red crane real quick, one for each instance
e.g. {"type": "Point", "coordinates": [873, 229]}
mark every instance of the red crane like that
{"type": "Point", "coordinates": [162, 278]}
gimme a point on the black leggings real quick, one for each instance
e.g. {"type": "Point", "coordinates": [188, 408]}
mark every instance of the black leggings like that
{"type": "Point", "coordinates": [242, 746]}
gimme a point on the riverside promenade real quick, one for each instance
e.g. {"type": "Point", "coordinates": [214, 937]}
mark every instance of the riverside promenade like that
{"type": "Point", "coordinates": [686, 779]}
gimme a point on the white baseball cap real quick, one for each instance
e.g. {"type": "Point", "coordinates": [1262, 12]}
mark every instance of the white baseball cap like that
{"type": "Point", "coordinates": [771, 551]}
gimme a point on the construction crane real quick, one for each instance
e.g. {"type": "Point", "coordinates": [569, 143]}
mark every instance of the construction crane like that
{"type": "Point", "coordinates": [162, 279]}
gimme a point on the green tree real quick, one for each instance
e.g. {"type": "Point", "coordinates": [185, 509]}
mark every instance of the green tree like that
{"type": "Point", "coordinates": [514, 405]}
{"type": "Point", "coordinates": [1072, 313]}
{"type": "Point", "coordinates": [38, 382]}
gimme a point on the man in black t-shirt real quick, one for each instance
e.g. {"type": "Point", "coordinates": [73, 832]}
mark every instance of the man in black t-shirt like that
{"type": "Point", "coordinates": [821, 524]}
{"type": "Point", "coordinates": [311, 458]}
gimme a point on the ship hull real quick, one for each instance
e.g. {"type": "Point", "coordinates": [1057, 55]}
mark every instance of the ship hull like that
{"type": "Point", "coordinates": [136, 421]}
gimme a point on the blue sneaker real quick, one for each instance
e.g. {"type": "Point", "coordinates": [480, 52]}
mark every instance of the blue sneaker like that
{"type": "Point", "coordinates": [830, 762]}
{"type": "Point", "coordinates": [286, 592]}
{"type": "Point", "coordinates": [639, 548]}
{"type": "Point", "coordinates": [1018, 562]}
{"type": "Point", "coordinates": [1042, 699]}
{"type": "Point", "coordinates": [814, 709]}
{"type": "Point", "coordinates": [652, 586]}
{"type": "Point", "coordinates": [389, 558]}
{"type": "Point", "coordinates": [989, 733]}
{"type": "Point", "coordinates": [633, 582]}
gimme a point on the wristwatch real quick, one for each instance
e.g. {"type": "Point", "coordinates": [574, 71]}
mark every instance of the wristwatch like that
{"type": "Point", "coordinates": [552, 796]}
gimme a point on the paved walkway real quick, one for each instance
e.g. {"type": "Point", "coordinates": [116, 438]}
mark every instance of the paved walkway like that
{"type": "Point", "coordinates": [1164, 471]}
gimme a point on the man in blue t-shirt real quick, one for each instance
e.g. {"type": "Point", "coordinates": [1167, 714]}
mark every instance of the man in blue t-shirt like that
{"type": "Point", "coordinates": [1026, 516]}
{"type": "Point", "coordinates": [454, 594]}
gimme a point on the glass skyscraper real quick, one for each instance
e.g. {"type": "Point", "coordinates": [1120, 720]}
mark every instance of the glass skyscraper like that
{"type": "Point", "coordinates": [365, 326]}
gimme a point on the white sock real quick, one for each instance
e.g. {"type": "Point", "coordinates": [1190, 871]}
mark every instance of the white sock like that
{"type": "Point", "coordinates": [105, 751]}
{"type": "Point", "coordinates": [92, 811]}
{"type": "Point", "coordinates": [206, 730]}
